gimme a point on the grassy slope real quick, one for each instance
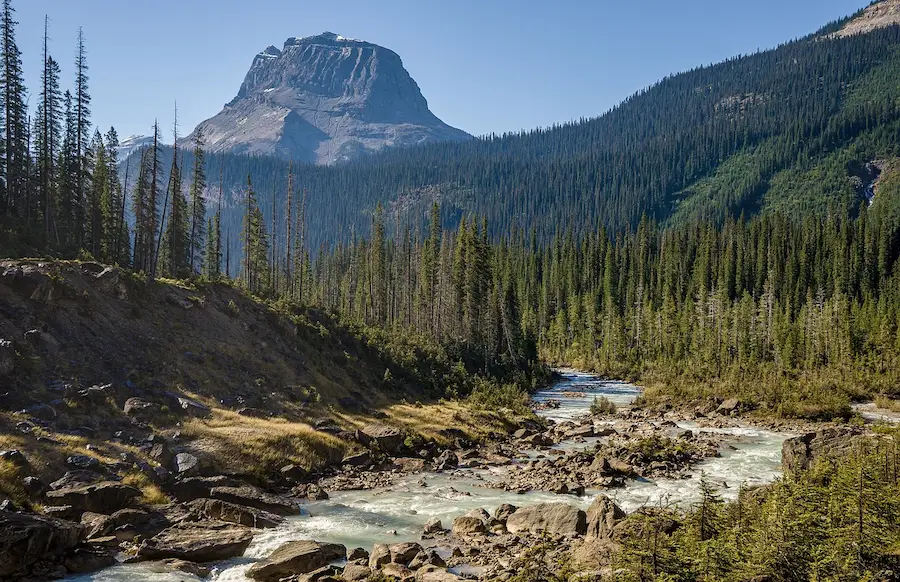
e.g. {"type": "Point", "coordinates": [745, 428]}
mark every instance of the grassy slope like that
{"type": "Point", "coordinates": [212, 343]}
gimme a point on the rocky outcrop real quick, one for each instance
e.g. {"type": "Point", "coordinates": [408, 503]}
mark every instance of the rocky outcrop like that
{"type": "Point", "coordinates": [324, 99]}
{"type": "Point", "coordinates": [253, 497]}
{"type": "Point", "coordinates": [877, 15]}
{"type": "Point", "coordinates": [552, 518]}
{"type": "Point", "coordinates": [300, 557]}
{"type": "Point", "coordinates": [234, 513]}
{"type": "Point", "coordinates": [206, 541]}
{"type": "Point", "coordinates": [798, 453]}
{"type": "Point", "coordinates": [27, 541]}
{"type": "Point", "coordinates": [105, 497]}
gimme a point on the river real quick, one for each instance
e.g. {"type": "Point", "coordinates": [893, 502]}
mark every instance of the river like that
{"type": "Point", "coordinates": [397, 513]}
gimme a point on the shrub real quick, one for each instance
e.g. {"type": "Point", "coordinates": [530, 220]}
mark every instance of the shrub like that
{"type": "Point", "coordinates": [602, 406]}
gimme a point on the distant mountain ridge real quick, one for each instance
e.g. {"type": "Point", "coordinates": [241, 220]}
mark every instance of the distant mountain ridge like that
{"type": "Point", "coordinates": [325, 99]}
{"type": "Point", "coordinates": [809, 127]}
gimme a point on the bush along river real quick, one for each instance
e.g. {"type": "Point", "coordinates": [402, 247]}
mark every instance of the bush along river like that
{"type": "Point", "coordinates": [474, 512]}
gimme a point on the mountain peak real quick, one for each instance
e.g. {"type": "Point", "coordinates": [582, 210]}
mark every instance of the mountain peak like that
{"type": "Point", "coordinates": [325, 98]}
{"type": "Point", "coordinates": [877, 15]}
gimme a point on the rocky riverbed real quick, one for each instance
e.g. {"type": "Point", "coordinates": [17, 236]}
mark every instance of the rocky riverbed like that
{"type": "Point", "coordinates": [411, 510]}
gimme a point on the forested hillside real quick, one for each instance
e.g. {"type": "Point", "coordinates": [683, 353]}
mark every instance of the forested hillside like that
{"type": "Point", "coordinates": [796, 128]}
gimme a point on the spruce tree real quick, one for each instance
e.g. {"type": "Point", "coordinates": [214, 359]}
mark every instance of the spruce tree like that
{"type": "Point", "coordinates": [197, 206]}
{"type": "Point", "coordinates": [13, 96]}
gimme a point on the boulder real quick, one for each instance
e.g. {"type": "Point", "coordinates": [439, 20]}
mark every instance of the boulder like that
{"type": "Point", "coordinates": [192, 488]}
{"type": "Point", "coordinates": [798, 453]}
{"type": "Point", "coordinates": [426, 558]}
{"type": "Point", "coordinates": [433, 526]}
{"type": "Point", "coordinates": [299, 557]}
{"type": "Point", "coordinates": [208, 541]}
{"type": "Point", "coordinates": [435, 575]}
{"type": "Point", "coordinates": [538, 440]}
{"type": "Point", "coordinates": [380, 555]}
{"type": "Point", "coordinates": [357, 554]}
{"type": "Point", "coordinates": [409, 465]}
{"type": "Point", "coordinates": [33, 486]}
{"type": "Point", "coordinates": [175, 565]}
{"type": "Point", "coordinates": [469, 525]}
{"type": "Point", "coordinates": [293, 473]}
{"type": "Point", "coordinates": [193, 408]}
{"type": "Point", "coordinates": [96, 524]}
{"type": "Point", "coordinates": [26, 539]}
{"type": "Point", "coordinates": [234, 513]}
{"type": "Point", "coordinates": [161, 453]}
{"type": "Point", "coordinates": [253, 497]}
{"type": "Point", "coordinates": [602, 516]}
{"type": "Point", "coordinates": [310, 491]}
{"type": "Point", "coordinates": [386, 437]}
{"type": "Point", "coordinates": [356, 573]}
{"type": "Point", "coordinates": [88, 559]}
{"type": "Point", "coordinates": [76, 479]}
{"type": "Point", "coordinates": [503, 512]}
{"type": "Point", "coordinates": [398, 572]}
{"type": "Point", "coordinates": [620, 467]}
{"type": "Point", "coordinates": [186, 464]}
{"type": "Point", "coordinates": [363, 459]}
{"type": "Point", "coordinates": [403, 553]}
{"type": "Point", "coordinates": [83, 462]}
{"type": "Point", "coordinates": [104, 497]}
{"type": "Point", "coordinates": [730, 406]}
{"type": "Point", "coordinates": [553, 518]}
{"type": "Point", "coordinates": [139, 408]}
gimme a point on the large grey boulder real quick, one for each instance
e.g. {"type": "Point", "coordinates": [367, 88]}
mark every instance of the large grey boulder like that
{"type": "Point", "coordinates": [386, 437]}
{"type": "Point", "coordinates": [106, 497]}
{"type": "Point", "coordinates": [234, 513]}
{"type": "Point", "coordinates": [27, 539]}
{"type": "Point", "coordinates": [207, 541]}
{"type": "Point", "coordinates": [602, 516]}
{"type": "Point", "coordinates": [253, 497]}
{"type": "Point", "coordinates": [300, 557]}
{"type": "Point", "coordinates": [552, 518]}
{"type": "Point", "coordinates": [470, 524]}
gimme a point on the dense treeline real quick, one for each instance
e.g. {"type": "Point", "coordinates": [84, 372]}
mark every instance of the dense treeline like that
{"type": "Point", "coordinates": [705, 144]}
{"type": "Point", "coordinates": [794, 315]}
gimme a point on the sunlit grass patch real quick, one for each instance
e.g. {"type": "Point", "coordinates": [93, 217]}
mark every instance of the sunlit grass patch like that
{"type": "Point", "coordinates": [241, 444]}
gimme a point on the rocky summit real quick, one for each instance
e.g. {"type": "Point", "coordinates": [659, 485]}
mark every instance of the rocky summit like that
{"type": "Point", "coordinates": [325, 99]}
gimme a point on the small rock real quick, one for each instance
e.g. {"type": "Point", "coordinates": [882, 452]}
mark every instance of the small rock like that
{"type": "Point", "coordinates": [433, 526]}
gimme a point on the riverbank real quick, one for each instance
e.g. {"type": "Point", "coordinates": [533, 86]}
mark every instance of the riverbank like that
{"type": "Point", "coordinates": [392, 501]}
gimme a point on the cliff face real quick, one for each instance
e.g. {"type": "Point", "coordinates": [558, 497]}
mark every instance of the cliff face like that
{"type": "Point", "coordinates": [325, 99]}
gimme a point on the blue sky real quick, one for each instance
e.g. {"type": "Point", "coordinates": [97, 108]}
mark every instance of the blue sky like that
{"type": "Point", "coordinates": [484, 65]}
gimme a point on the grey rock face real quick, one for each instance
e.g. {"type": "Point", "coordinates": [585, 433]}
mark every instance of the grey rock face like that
{"type": "Point", "coordinates": [325, 99]}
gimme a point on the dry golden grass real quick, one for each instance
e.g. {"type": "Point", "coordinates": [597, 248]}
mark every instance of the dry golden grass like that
{"type": "Point", "coordinates": [428, 420]}
{"type": "Point", "coordinates": [150, 493]}
{"type": "Point", "coordinates": [239, 444]}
